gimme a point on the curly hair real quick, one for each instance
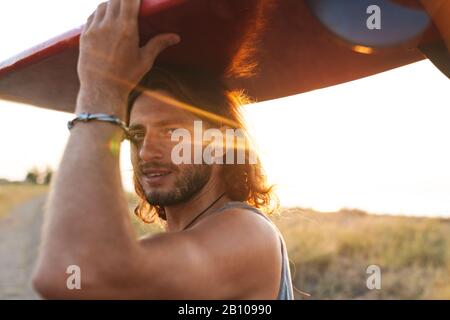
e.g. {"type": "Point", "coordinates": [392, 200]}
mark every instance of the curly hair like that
{"type": "Point", "coordinates": [208, 97]}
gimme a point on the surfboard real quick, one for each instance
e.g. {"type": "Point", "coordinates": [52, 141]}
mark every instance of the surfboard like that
{"type": "Point", "coordinates": [269, 48]}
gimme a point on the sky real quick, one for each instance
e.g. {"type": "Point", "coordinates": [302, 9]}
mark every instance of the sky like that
{"type": "Point", "coordinates": [378, 144]}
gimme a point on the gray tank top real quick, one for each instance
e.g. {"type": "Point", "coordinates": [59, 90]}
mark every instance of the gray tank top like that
{"type": "Point", "coordinates": [285, 292]}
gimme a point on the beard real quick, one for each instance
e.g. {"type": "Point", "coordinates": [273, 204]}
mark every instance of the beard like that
{"type": "Point", "coordinates": [190, 181]}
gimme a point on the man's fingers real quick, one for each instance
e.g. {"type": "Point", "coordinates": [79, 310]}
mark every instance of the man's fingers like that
{"type": "Point", "coordinates": [113, 9]}
{"type": "Point", "coordinates": [100, 12]}
{"type": "Point", "coordinates": [157, 44]}
{"type": "Point", "coordinates": [129, 9]}
{"type": "Point", "coordinates": [88, 22]}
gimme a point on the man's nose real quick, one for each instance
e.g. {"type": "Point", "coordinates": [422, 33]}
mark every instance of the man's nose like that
{"type": "Point", "coordinates": [152, 148]}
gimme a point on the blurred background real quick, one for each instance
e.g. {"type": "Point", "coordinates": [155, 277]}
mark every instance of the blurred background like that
{"type": "Point", "coordinates": [361, 171]}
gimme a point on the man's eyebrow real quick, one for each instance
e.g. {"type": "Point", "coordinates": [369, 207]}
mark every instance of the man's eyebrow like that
{"type": "Point", "coordinates": [136, 127]}
{"type": "Point", "coordinates": [160, 123]}
{"type": "Point", "coordinates": [172, 121]}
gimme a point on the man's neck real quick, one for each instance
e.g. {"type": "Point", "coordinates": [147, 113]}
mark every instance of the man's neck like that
{"type": "Point", "coordinates": [180, 215]}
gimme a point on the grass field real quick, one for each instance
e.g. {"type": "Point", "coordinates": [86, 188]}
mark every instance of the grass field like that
{"type": "Point", "coordinates": [14, 194]}
{"type": "Point", "coordinates": [331, 252]}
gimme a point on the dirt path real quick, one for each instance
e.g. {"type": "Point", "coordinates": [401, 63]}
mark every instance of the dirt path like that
{"type": "Point", "coordinates": [19, 241]}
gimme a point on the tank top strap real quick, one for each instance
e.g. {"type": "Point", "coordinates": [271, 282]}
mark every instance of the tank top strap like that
{"type": "Point", "coordinates": [242, 205]}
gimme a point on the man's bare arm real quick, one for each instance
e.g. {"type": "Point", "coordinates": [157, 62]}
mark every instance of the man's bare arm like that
{"type": "Point", "coordinates": [87, 217]}
{"type": "Point", "coordinates": [232, 255]}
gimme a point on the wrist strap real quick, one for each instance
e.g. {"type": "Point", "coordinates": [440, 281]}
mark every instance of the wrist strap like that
{"type": "Point", "coordinates": [86, 117]}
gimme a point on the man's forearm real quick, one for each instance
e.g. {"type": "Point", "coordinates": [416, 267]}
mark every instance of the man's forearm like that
{"type": "Point", "coordinates": [88, 222]}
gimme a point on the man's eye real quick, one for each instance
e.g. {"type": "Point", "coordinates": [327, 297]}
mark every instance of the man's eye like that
{"type": "Point", "coordinates": [136, 136]}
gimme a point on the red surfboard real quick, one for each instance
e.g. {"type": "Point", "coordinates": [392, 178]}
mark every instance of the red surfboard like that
{"type": "Point", "coordinates": [270, 48]}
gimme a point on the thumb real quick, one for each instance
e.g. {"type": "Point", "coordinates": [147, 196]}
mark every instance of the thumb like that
{"type": "Point", "coordinates": [157, 44]}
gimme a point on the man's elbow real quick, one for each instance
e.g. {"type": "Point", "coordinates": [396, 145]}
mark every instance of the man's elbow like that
{"type": "Point", "coordinates": [48, 285]}
{"type": "Point", "coordinates": [59, 283]}
{"type": "Point", "coordinates": [54, 281]}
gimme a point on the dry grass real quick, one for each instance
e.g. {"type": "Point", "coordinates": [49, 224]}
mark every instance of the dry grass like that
{"type": "Point", "coordinates": [15, 194]}
{"type": "Point", "coordinates": [331, 252]}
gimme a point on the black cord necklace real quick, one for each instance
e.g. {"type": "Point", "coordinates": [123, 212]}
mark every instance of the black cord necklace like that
{"type": "Point", "coordinates": [190, 223]}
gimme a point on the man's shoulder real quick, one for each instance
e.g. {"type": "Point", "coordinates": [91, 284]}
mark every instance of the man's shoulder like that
{"type": "Point", "coordinates": [240, 225]}
{"type": "Point", "coordinates": [237, 250]}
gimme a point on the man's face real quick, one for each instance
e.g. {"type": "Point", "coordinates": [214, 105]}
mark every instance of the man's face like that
{"type": "Point", "coordinates": [152, 122]}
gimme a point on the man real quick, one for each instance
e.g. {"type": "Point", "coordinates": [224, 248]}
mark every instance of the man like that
{"type": "Point", "coordinates": [216, 245]}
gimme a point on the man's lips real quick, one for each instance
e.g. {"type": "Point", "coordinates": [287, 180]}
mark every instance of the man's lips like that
{"type": "Point", "coordinates": [154, 176]}
{"type": "Point", "coordinates": [155, 172]}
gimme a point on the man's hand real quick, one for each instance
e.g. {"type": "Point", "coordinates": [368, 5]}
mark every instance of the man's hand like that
{"type": "Point", "coordinates": [111, 63]}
